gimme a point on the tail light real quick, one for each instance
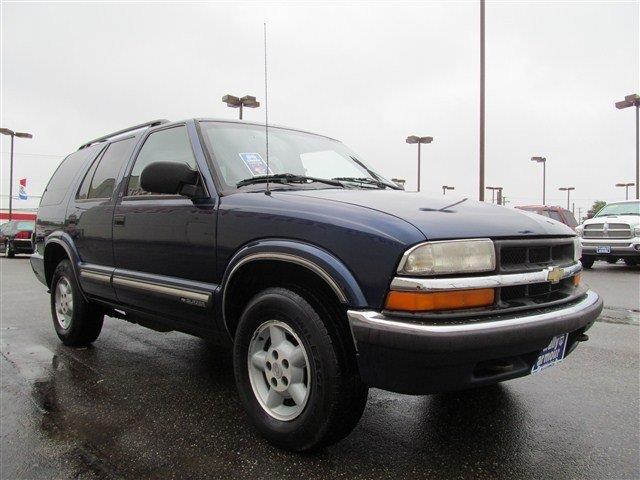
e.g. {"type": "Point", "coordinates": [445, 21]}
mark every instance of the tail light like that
{"type": "Point", "coordinates": [23, 235]}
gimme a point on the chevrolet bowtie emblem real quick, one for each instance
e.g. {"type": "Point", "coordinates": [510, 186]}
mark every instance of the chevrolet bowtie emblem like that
{"type": "Point", "coordinates": [555, 274]}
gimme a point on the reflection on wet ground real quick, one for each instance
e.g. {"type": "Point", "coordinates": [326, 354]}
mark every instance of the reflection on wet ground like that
{"type": "Point", "coordinates": [141, 404]}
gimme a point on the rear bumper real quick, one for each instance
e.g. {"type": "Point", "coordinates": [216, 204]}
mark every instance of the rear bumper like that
{"type": "Point", "coordinates": [22, 246]}
{"type": "Point", "coordinates": [417, 358]}
{"type": "Point", "coordinates": [37, 265]}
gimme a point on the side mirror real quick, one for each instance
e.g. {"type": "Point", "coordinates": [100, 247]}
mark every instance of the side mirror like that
{"type": "Point", "coordinates": [173, 178]}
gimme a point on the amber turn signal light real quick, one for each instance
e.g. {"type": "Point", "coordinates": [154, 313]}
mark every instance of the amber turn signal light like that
{"type": "Point", "coordinates": [576, 280]}
{"type": "Point", "coordinates": [422, 302]}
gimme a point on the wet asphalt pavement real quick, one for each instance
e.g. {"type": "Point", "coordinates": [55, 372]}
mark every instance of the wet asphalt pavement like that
{"type": "Point", "coordinates": [141, 404]}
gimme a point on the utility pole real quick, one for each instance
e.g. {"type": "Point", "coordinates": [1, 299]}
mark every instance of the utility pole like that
{"type": "Point", "coordinates": [626, 188]}
{"type": "Point", "coordinates": [543, 161]}
{"type": "Point", "coordinates": [568, 190]}
{"type": "Point", "coordinates": [235, 102]}
{"type": "Point", "coordinates": [481, 186]}
{"type": "Point", "coordinates": [634, 101]}
{"type": "Point", "coordinates": [419, 140]}
{"type": "Point", "coordinates": [12, 134]}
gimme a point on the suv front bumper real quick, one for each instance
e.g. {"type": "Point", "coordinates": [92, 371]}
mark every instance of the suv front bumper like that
{"type": "Point", "coordinates": [405, 356]}
{"type": "Point", "coordinates": [619, 248]}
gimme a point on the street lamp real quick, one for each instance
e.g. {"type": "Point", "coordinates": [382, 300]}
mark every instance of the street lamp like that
{"type": "Point", "coordinates": [493, 193]}
{"type": "Point", "coordinates": [12, 134]}
{"type": "Point", "coordinates": [543, 161]}
{"type": "Point", "coordinates": [235, 102]}
{"type": "Point", "coordinates": [634, 101]}
{"type": "Point", "coordinates": [626, 188]}
{"type": "Point", "coordinates": [419, 141]}
{"type": "Point", "coordinates": [445, 188]}
{"type": "Point", "coordinates": [568, 190]}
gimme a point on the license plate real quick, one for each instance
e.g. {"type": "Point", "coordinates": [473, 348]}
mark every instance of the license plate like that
{"type": "Point", "coordinates": [606, 249]}
{"type": "Point", "coordinates": [552, 354]}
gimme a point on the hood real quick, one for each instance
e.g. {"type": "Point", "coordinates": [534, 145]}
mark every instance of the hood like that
{"type": "Point", "coordinates": [631, 220]}
{"type": "Point", "coordinates": [445, 217]}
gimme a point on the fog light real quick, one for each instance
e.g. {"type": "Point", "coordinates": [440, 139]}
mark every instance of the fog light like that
{"type": "Point", "coordinates": [423, 302]}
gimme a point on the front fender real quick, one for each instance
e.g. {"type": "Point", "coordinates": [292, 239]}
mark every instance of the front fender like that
{"type": "Point", "coordinates": [323, 263]}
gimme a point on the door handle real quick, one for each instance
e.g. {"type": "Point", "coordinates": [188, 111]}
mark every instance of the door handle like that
{"type": "Point", "coordinates": [118, 220]}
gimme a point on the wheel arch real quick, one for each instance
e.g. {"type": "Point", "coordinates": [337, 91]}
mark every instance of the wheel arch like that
{"type": "Point", "coordinates": [304, 261]}
{"type": "Point", "coordinates": [59, 246]}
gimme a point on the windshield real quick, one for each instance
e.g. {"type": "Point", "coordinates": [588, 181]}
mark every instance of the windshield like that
{"type": "Point", "coordinates": [626, 208]}
{"type": "Point", "coordinates": [240, 153]}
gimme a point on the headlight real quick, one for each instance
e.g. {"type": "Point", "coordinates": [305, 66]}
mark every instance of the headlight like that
{"type": "Point", "coordinates": [454, 256]}
{"type": "Point", "coordinates": [577, 249]}
{"type": "Point", "coordinates": [636, 231]}
{"type": "Point", "coordinates": [579, 230]}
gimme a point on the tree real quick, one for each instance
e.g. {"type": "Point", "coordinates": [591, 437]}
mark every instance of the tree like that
{"type": "Point", "coordinates": [595, 208]}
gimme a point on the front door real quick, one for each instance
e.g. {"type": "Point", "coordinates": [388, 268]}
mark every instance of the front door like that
{"type": "Point", "coordinates": [164, 245]}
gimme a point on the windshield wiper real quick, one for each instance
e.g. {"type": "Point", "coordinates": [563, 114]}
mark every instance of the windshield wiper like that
{"type": "Point", "coordinates": [366, 181]}
{"type": "Point", "coordinates": [285, 178]}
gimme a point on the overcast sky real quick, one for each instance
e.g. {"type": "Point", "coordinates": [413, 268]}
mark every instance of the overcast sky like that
{"type": "Point", "coordinates": [368, 74]}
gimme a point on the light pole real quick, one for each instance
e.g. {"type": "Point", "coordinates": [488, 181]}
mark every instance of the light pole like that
{"type": "Point", "coordinates": [12, 134]}
{"type": "Point", "coordinates": [481, 146]}
{"type": "Point", "coordinates": [626, 188]}
{"type": "Point", "coordinates": [235, 102]}
{"type": "Point", "coordinates": [543, 161]}
{"type": "Point", "coordinates": [634, 101]}
{"type": "Point", "coordinates": [419, 141]}
{"type": "Point", "coordinates": [568, 190]}
{"type": "Point", "coordinates": [445, 188]}
{"type": "Point", "coordinates": [493, 193]}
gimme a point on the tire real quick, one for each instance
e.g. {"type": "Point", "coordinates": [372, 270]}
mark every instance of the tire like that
{"type": "Point", "coordinates": [631, 262]}
{"type": "Point", "coordinates": [612, 261]}
{"type": "Point", "coordinates": [8, 251]}
{"type": "Point", "coordinates": [334, 397]}
{"type": "Point", "coordinates": [76, 321]}
{"type": "Point", "coordinates": [587, 262]}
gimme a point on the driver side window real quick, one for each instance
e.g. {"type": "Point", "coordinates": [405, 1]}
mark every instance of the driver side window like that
{"type": "Point", "coordinates": [169, 145]}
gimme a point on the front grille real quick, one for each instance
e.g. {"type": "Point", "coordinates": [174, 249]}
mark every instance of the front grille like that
{"type": "Point", "coordinates": [527, 255]}
{"type": "Point", "coordinates": [607, 230]}
{"type": "Point", "coordinates": [536, 293]}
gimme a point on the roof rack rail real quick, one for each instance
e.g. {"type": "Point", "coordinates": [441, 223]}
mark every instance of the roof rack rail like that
{"type": "Point", "coordinates": [152, 123]}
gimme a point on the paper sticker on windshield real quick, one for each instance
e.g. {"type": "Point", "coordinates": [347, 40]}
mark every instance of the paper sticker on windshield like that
{"type": "Point", "coordinates": [256, 165]}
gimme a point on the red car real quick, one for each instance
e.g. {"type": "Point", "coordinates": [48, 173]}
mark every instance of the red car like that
{"type": "Point", "coordinates": [556, 213]}
{"type": "Point", "coordinates": [15, 237]}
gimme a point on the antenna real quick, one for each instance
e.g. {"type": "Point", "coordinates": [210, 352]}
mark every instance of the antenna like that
{"type": "Point", "coordinates": [266, 106]}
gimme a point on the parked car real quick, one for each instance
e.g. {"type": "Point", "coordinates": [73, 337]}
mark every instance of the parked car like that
{"type": "Point", "coordinates": [612, 234]}
{"type": "Point", "coordinates": [327, 278]}
{"type": "Point", "coordinates": [15, 237]}
{"type": "Point", "coordinates": [556, 213]}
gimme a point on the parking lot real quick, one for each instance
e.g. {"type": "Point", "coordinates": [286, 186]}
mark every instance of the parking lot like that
{"type": "Point", "coordinates": [142, 404]}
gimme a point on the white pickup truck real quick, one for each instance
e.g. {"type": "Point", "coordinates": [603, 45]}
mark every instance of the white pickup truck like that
{"type": "Point", "coordinates": [613, 233]}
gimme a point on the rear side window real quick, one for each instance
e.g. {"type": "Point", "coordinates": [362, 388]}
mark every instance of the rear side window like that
{"type": "Point", "coordinates": [170, 145]}
{"type": "Point", "coordinates": [103, 178]}
{"type": "Point", "coordinates": [556, 215]}
{"type": "Point", "coordinates": [65, 174]}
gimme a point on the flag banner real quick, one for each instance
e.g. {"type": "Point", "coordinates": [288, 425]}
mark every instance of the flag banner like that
{"type": "Point", "coordinates": [22, 189]}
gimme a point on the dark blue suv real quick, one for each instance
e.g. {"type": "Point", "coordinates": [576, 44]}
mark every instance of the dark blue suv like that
{"type": "Point", "coordinates": [327, 277]}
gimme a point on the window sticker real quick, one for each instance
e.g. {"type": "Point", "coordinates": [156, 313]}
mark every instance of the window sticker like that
{"type": "Point", "coordinates": [256, 165]}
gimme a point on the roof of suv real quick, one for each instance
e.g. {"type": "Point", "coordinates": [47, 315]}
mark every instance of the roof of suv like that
{"type": "Point", "coordinates": [158, 122]}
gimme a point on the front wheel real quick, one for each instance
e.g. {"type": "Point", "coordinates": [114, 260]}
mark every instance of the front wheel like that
{"type": "Point", "coordinates": [77, 322]}
{"type": "Point", "coordinates": [587, 262]}
{"type": "Point", "coordinates": [296, 371]}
